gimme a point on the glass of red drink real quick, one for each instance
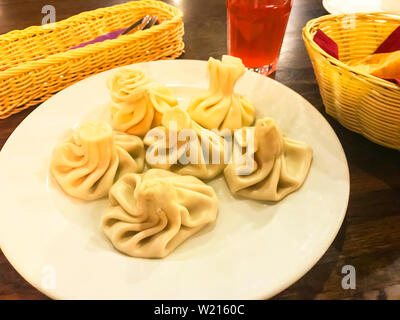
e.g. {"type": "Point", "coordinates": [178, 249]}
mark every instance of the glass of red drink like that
{"type": "Point", "coordinates": [255, 31]}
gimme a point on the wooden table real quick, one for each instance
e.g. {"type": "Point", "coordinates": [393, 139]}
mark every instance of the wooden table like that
{"type": "Point", "coordinates": [370, 236]}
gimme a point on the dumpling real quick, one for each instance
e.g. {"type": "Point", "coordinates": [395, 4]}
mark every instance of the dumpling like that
{"type": "Point", "coordinates": [281, 165]}
{"type": "Point", "coordinates": [219, 107]}
{"type": "Point", "coordinates": [136, 103]}
{"type": "Point", "coordinates": [93, 158]}
{"type": "Point", "coordinates": [151, 214]}
{"type": "Point", "coordinates": [198, 152]}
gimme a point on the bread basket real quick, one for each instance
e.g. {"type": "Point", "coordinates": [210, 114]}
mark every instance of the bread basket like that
{"type": "Point", "coordinates": [36, 62]}
{"type": "Point", "coordinates": [360, 102]}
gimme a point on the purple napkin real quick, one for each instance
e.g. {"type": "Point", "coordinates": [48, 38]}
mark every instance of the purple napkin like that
{"type": "Point", "coordinates": [108, 36]}
{"type": "Point", "coordinates": [392, 43]}
{"type": "Point", "coordinates": [326, 44]}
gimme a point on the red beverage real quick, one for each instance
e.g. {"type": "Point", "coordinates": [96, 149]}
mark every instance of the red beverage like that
{"type": "Point", "coordinates": [255, 31]}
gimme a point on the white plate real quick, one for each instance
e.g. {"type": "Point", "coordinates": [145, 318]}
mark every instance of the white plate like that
{"type": "Point", "coordinates": [354, 6]}
{"type": "Point", "coordinates": [254, 250]}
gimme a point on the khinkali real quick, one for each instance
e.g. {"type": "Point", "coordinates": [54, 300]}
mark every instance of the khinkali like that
{"type": "Point", "coordinates": [151, 214]}
{"type": "Point", "coordinates": [137, 104]}
{"type": "Point", "coordinates": [219, 107]}
{"type": "Point", "coordinates": [93, 158]}
{"type": "Point", "coordinates": [184, 147]}
{"type": "Point", "coordinates": [280, 165]}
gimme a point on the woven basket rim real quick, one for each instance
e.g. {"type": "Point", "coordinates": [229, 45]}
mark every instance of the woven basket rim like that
{"type": "Point", "coordinates": [38, 28]}
{"type": "Point", "coordinates": [93, 48]}
{"type": "Point", "coordinates": [308, 36]}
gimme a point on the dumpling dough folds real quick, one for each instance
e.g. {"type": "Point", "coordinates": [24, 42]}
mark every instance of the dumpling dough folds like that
{"type": "Point", "coordinates": [219, 107]}
{"type": "Point", "coordinates": [93, 157]}
{"type": "Point", "coordinates": [137, 104]}
{"type": "Point", "coordinates": [199, 154]}
{"type": "Point", "coordinates": [153, 213]}
{"type": "Point", "coordinates": [281, 165]}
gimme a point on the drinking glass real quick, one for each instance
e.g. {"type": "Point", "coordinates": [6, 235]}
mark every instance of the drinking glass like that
{"type": "Point", "coordinates": [255, 31]}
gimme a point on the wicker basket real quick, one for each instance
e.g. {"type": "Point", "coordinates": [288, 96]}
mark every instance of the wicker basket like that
{"type": "Point", "coordinates": [360, 102]}
{"type": "Point", "coordinates": [35, 63]}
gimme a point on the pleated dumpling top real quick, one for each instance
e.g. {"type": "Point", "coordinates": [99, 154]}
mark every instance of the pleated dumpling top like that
{"type": "Point", "coordinates": [87, 163]}
{"type": "Point", "coordinates": [220, 107]}
{"type": "Point", "coordinates": [187, 148]}
{"type": "Point", "coordinates": [151, 214]}
{"type": "Point", "coordinates": [280, 166]}
{"type": "Point", "coordinates": [137, 104]}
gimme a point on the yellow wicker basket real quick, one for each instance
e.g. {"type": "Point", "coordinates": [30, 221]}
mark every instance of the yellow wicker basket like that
{"type": "Point", "coordinates": [360, 102]}
{"type": "Point", "coordinates": [35, 63]}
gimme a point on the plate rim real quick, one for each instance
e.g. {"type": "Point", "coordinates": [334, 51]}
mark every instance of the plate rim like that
{"type": "Point", "coordinates": [327, 4]}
